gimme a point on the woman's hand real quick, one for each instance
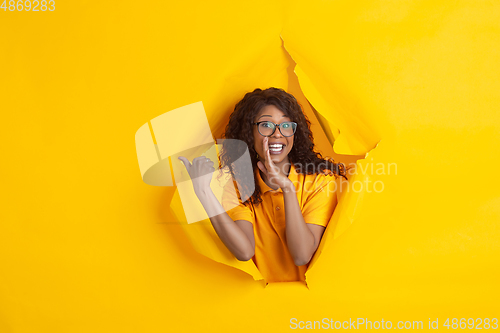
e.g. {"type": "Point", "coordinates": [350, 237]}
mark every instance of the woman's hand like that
{"type": "Point", "coordinates": [200, 172]}
{"type": "Point", "coordinates": [272, 172]}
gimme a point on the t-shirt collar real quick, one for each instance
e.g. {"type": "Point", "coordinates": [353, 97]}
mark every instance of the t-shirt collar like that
{"type": "Point", "coordinates": [292, 175]}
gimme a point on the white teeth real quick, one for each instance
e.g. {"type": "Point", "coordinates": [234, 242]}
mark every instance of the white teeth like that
{"type": "Point", "coordinates": [276, 147]}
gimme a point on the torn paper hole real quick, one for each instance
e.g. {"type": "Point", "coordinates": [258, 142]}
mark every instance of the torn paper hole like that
{"type": "Point", "coordinates": [165, 137]}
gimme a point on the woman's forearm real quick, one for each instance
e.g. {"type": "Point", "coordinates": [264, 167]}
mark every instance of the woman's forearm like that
{"type": "Point", "coordinates": [300, 240]}
{"type": "Point", "coordinates": [228, 231]}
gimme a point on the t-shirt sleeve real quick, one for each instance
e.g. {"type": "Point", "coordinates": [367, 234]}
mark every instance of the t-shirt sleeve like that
{"type": "Point", "coordinates": [233, 205]}
{"type": "Point", "coordinates": [321, 201]}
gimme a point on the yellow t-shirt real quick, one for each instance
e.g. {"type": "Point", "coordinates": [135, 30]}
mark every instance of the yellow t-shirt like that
{"type": "Point", "coordinates": [317, 198]}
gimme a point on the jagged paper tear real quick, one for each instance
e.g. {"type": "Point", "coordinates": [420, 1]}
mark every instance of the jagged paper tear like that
{"type": "Point", "coordinates": [170, 136]}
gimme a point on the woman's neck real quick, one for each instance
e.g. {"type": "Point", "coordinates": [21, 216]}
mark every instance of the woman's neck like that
{"type": "Point", "coordinates": [284, 166]}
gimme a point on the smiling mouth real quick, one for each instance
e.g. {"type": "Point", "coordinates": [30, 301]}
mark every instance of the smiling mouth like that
{"type": "Point", "coordinates": [276, 148]}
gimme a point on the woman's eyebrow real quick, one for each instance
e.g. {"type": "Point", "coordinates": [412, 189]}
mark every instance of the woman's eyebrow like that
{"type": "Point", "coordinates": [266, 115]}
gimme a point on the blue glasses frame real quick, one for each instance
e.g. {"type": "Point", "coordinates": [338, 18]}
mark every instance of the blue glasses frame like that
{"type": "Point", "coordinates": [294, 127]}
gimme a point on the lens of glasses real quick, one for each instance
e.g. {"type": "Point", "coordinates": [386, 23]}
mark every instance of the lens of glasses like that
{"type": "Point", "coordinates": [286, 128]}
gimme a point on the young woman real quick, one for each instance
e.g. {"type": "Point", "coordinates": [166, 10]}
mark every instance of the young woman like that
{"type": "Point", "coordinates": [281, 224]}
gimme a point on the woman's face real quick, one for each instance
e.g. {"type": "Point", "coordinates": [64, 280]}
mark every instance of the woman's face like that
{"type": "Point", "coordinates": [278, 155]}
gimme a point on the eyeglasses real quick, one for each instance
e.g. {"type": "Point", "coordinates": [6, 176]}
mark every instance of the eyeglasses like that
{"type": "Point", "coordinates": [267, 128]}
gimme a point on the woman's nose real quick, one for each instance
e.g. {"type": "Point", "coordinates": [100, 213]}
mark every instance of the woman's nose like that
{"type": "Point", "coordinates": [277, 133]}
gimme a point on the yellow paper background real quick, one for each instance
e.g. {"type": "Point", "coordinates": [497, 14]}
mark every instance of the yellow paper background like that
{"type": "Point", "coordinates": [87, 246]}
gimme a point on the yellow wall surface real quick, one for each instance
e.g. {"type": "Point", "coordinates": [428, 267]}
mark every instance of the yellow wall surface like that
{"type": "Point", "coordinates": [408, 89]}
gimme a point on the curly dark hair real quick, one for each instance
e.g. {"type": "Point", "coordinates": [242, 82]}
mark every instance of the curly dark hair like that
{"type": "Point", "coordinates": [240, 127]}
